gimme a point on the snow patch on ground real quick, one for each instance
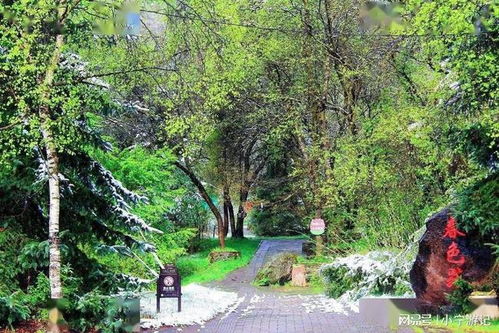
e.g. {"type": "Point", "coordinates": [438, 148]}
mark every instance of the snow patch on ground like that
{"type": "Point", "coordinates": [199, 304]}
{"type": "Point", "coordinates": [233, 307]}
{"type": "Point", "coordinates": [251, 306]}
{"type": "Point", "coordinates": [320, 303]}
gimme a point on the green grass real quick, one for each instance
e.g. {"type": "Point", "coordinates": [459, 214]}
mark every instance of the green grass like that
{"type": "Point", "coordinates": [311, 289]}
{"type": "Point", "coordinates": [316, 260]}
{"type": "Point", "coordinates": [225, 249]}
{"type": "Point", "coordinates": [196, 268]}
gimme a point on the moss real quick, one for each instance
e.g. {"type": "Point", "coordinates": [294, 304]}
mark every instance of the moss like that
{"type": "Point", "coordinates": [277, 270]}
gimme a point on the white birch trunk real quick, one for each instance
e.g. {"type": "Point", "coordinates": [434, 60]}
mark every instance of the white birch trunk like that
{"type": "Point", "coordinates": [53, 170]}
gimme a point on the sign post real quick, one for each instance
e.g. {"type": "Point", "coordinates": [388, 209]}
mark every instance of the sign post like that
{"type": "Point", "coordinates": [168, 286]}
{"type": "Point", "coordinates": [317, 227]}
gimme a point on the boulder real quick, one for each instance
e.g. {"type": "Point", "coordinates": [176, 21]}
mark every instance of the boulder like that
{"type": "Point", "coordinates": [443, 256]}
{"type": "Point", "coordinates": [277, 271]}
{"type": "Point", "coordinates": [223, 255]}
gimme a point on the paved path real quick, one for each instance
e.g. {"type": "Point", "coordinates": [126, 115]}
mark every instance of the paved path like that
{"type": "Point", "coordinates": [264, 311]}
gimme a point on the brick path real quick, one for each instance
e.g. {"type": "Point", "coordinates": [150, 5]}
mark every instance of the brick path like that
{"type": "Point", "coordinates": [265, 311]}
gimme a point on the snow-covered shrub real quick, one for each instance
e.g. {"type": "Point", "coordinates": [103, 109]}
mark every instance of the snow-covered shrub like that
{"type": "Point", "coordinates": [374, 273]}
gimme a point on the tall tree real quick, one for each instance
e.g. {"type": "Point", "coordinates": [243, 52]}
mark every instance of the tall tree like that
{"type": "Point", "coordinates": [47, 89]}
{"type": "Point", "coordinates": [63, 10]}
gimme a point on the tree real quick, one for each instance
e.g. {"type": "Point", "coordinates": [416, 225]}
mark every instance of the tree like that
{"type": "Point", "coordinates": [45, 88]}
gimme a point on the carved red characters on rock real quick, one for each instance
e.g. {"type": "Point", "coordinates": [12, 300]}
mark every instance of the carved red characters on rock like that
{"type": "Point", "coordinates": [454, 255]}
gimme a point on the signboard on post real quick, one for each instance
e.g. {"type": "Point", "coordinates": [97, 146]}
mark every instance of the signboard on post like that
{"type": "Point", "coordinates": [168, 285]}
{"type": "Point", "coordinates": [317, 226]}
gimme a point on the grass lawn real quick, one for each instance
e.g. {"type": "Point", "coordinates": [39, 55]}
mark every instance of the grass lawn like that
{"type": "Point", "coordinates": [197, 268]}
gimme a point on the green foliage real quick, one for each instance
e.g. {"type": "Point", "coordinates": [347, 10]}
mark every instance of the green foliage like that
{"type": "Point", "coordinates": [468, 50]}
{"type": "Point", "coordinates": [341, 282]}
{"type": "Point", "coordinates": [371, 132]}
{"type": "Point", "coordinates": [149, 173]}
{"type": "Point", "coordinates": [13, 309]}
{"type": "Point", "coordinates": [459, 298]}
{"type": "Point", "coordinates": [38, 293]}
{"type": "Point", "coordinates": [275, 222]}
{"type": "Point", "coordinates": [94, 310]}
{"type": "Point", "coordinates": [279, 213]}
{"type": "Point", "coordinates": [169, 247]}
{"type": "Point", "coordinates": [10, 243]}
{"type": "Point", "coordinates": [477, 207]}
{"type": "Point", "coordinates": [34, 255]}
{"type": "Point", "coordinates": [479, 140]}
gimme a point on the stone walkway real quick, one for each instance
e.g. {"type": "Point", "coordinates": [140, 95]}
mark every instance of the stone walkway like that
{"type": "Point", "coordinates": [264, 311]}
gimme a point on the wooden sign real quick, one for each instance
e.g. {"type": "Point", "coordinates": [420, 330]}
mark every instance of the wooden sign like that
{"type": "Point", "coordinates": [317, 226]}
{"type": "Point", "coordinates": [168, 285]}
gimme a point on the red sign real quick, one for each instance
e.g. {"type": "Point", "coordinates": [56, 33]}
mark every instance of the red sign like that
{"type": "Point", "coordinates": [248, 206]}
{"type": "Point", "coordinates": [453, 254]}
{"type": "Point", "coordinates": [317, 226]}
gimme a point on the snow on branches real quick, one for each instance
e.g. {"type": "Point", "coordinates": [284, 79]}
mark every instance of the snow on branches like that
{"type": "Point", "coordinates": [121, 194]}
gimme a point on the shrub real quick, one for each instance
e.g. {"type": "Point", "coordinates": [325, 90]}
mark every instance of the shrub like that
{"type": "Point", "coordinates": [280, 212]}
{"type": "Point", "coordinates": [188, 265]}
{"type": "Point", "coordinates": [276, 222]}
{"type": "Point", "coordinates": [11, 267]}
{"type": "Point", "coordinates": [376, 273]}
{"type": "Point", "coordinates": [477, 208]}
{"type": "Point", "coordinates": [13, 308]}
{"type": "Point", "coordinates": [459, 298]}
{"type": "Point", "coordinates": [93, 310]}
{"type": "Point", "coordinates": [338, 280]}
{"type": "Point", "coordinates": [38, 294]}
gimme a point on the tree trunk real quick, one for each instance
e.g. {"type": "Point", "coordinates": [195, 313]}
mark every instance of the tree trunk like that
{"type": "Point", "coordinates": [229, 219]}
{"type": "Point", "coordinates": [232, 218]}
{"type": "Point", "coordinates": [204, 194]}
{"type": "Point", "coordinates": [248, 178]}
{"type": "Point", "coordinates": [54, 212]}
{"type": "Point", "coordinates": [239, 232]}
{"type": "Point", "coordinates": [241, 214]}
{"type": "Point", "coordinates": [52, 167]}
{"type": "Point", "coordinates": [226, 217]}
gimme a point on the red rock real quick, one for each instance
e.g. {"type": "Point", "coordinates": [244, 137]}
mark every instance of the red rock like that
{"type": "Point", "coordinates": [435, 262]}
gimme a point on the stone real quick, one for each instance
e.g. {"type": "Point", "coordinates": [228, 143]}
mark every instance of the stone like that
{"type": "Point", "coordinates": [430, 272]}
{"type": "Point", "coordinates": [485, 306]}
{"type": "Point", "coordinates": [298, 276]}
{"type": "Point", "coordinates": [223, 255]}
{"type": "Point", "coordinates": [277, 271]}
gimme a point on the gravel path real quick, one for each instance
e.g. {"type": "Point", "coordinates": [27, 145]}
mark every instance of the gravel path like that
{"type": "Point", "coordinates": [264, 311]}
